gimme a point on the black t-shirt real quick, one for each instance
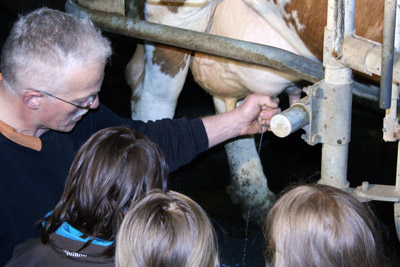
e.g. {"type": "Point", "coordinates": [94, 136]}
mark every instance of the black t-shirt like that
{"type": "Point", "coordinates": [31, 182]}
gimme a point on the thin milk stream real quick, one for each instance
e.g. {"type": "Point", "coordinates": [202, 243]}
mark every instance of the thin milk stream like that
{"type": "Point", "coordinates": [249, 212]}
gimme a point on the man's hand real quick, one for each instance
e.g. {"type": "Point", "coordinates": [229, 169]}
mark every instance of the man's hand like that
{"type": "Point", "coordinates": [253, 115]}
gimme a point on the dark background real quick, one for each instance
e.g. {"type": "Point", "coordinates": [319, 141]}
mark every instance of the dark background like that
{"type": "Point", "coordinates": [285, 161]}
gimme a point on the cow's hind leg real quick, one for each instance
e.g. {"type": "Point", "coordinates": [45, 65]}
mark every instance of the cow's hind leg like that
{"type": "Point", "coordinates": [249, 187]}
{"type": "Point", "coordinates": [157, 72]}
{"type": "Point", "coordinates": [155, 88]}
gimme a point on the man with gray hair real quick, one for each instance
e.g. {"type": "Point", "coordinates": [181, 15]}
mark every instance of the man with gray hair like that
{"type": "Point", "coordinates": [52, 68]}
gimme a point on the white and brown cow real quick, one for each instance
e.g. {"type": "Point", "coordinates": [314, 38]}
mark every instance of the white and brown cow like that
{"type": "Point", "coordinates": [157, 73]}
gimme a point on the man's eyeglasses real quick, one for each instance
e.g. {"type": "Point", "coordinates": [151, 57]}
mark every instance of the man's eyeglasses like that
{"type": "Point", "coordinates": [89, 101]}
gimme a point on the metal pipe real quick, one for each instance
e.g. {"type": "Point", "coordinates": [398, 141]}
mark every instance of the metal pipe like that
{"type": "Point", "coordinates": [397, 185]}
{"type": "Point", "coordinates": [390, 122]}
{"type": "Point", "coordinates": [334, 165]}
{"type": "Point", "coordinates": [313, 71]}
{"type": "Point", "coordinates": [338, 23]}
{"type": "Point", "coordinates": [394, 115]}
{"type": "Point", "coordinates": [397, 218]}
{"type": "Point", "coordinates": [289, 121]}
{"type": "Point", "coordinates": [349, 17]}
{"type": "Point", "coordinates": [338, 81]}
{"type": "Point", "coordinates": [365, 56]}
{"type": "Point", "coordinates": [397, 31]}
{"type": "Point", "coordinates": [335, 113]}
{"type": "Point", "coordinates": [387, 54]}
{"type": "Point", "coordinates": [111, 6]}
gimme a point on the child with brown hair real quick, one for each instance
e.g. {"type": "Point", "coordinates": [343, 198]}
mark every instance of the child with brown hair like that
{"type": "Point", "coordinates": [115, 167]}
{"type": "Point", "coordinates": [319, 225]}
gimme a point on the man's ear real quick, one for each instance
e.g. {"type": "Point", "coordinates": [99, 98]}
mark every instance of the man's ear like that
{"type": "Point", "coordinates": [32, 99]}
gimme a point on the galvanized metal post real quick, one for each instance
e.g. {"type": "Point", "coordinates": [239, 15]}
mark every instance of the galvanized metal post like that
{"type": "Point", "coordinates": [337, 96]}
{"type": "Point", "coordinates": [395, 92]}
{"type": "Point", "coordinates": [349, 17]}
{"type": "Point", "coordinates": [387, 53]}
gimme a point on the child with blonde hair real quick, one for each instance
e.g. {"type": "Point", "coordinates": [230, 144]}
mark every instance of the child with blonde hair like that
{"type": "Point", "coordinates": [166, 229]}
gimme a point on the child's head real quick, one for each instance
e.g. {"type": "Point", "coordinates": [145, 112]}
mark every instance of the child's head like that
{"type": "Point", "coordinates": [114, 168]}
{"type": "Point", "coordinates": [319, 225]}
{"type": "Point", "coordinates": [166, 229]}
